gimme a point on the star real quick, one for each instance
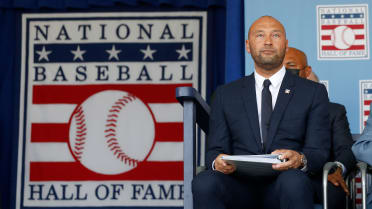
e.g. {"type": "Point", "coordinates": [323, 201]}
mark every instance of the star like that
{"type": "Point", "coordinates": [113, 53]}
{"type": "Point", "coordinates": [148, 52]}
{"type": "Point", "coordinates": [43, 54]}
{"type": "Point", "coordinates": [183, 52]}
{"type": "Point", "coordinates": [287, 91]}
{"type": "Point", "coordinates": [78, 54]}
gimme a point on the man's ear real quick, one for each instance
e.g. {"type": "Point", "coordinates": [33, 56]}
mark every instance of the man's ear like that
{"type": "Point", "coordinates": [247, 46]}
{"type": "Point", "coordinates": [286, 46]}
{"type": "Point", "coordinates": [307, 71]}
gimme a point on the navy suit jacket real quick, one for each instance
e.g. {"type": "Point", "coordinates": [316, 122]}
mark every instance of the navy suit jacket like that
{"type": "Point", "coordinates": [300, 121]}
{"type": "Point", "coordinates": [341, 137]}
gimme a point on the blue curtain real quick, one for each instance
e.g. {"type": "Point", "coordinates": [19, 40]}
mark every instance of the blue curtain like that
{"type": "Point", "coordinates": [224, 63]}
{"type": "Point", "coordinates": [234, 40]}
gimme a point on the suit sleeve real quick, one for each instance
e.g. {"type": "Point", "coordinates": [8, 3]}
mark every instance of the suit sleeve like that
{"type": "Point", "coordinates": [218, 139]}
{"type": "Point", "coordinates": [362, 148]}
{"type": "Point", "coordinates": [342, 139]}
{"type": "Point", "coordinates": [317, 141]}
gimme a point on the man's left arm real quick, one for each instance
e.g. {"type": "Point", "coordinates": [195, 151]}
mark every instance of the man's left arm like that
{"type": "Point", "coordinates": [342, 140]}
{"type": "Point", "coordinates": [315, 151]}
{"type": "Point", "coordinates": [317, 142]}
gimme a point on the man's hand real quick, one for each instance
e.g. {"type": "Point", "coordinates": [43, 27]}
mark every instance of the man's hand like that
{"type": "Point", "coordinates": [223, 166]}
{"type": "Point", "coordinates": [337, 180]}
{"type": "Point", "coordinates": [293, 159]}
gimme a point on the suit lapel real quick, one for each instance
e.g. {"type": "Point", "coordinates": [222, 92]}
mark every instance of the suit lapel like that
{"type": "Point", "coordinates": [250, 103]}
{"type": "Point", "coordinates": [284, 95]}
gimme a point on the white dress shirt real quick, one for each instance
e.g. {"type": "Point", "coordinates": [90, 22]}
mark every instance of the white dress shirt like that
{"type": "Point", "coordinates": [276, 82]}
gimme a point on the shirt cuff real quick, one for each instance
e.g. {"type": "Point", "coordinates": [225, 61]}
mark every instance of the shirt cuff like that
{"type": "Point", "coordinates": [343, 168]}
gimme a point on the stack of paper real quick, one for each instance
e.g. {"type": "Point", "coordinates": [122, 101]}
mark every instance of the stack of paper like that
{"type": "Point", "coordinates": [254, 165]}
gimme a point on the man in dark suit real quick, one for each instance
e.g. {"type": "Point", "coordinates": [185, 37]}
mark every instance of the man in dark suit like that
{"type": "Point", "coordinates": [270, 111]}
{"type": "Point", "coordinates": [341, 140]}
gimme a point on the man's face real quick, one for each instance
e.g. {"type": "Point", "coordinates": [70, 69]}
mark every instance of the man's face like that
{"type": "Point", "coordinates": [295, 60]}
{"type": "Point", "coordinates": [267, 43]}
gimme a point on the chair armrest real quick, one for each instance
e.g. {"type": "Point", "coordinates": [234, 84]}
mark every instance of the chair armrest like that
{"type": "Point", "coordinates": [195, 110]}
{"type": "Point", "coordinates": [326, 169]}
{"type": "Point", "coordinates": [186, 93]}
{"type": "Point", "coordinates": [362, 167]}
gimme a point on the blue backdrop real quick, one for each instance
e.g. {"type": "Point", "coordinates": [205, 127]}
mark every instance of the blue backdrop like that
{"type": "Point", "coordinates": [300, 20]}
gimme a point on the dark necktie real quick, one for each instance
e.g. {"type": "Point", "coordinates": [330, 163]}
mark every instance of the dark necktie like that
{"type": "Point", "coordinates": [266, 110]}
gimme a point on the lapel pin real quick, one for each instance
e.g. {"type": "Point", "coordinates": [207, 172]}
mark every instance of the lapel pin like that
{"type": "Point", "coordinates": [287, 91]}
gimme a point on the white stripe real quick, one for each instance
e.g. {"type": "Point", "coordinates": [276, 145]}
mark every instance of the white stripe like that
{"type": "Point", "coordinates": [329, 42]}
{"type": "Point", "coordinates": [59, 152]}
{"type": "Point", "coordinates": [51, 113]}
{"type": "Point", "coordinates": [329, 32]}
{"type": "Point", "coordinates": [172, 112]}
{"type": "Point", "coordinates": [167, 151]}
{"type": "Point", "coordinates": [366, 107]}
{"type": "Point", "coordinates": [50, 152]}
{"type": "Point", "coordinates": [61, 113]}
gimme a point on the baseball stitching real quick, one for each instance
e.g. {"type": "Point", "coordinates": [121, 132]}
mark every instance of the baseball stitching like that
{"type": "Point", "coordinates": [81, 132]}
{"type": "Point", "coordinates": [111, 140]}
{"type": "Point", "coordinates": [343, 38]}
{"type": "Point", "coordinates": [333, 37]}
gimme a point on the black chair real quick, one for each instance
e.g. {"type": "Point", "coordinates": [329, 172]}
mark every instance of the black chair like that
{"type": "Point", "coordinates": [196, 112]}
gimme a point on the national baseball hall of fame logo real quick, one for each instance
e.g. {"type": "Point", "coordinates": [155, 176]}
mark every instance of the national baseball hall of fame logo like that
{"type": "Point", "coordinates": [343, 32]}
{"type": "Point", "coordinates": [99, 122]}
{"type": "Point", "coordinates": [365, 87]}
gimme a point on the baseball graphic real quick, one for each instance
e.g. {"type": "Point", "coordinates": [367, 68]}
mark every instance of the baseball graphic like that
{"type": "Point", "coordinates": [342, 37]}
{"type": "Point", "coordinates": [111, 132]}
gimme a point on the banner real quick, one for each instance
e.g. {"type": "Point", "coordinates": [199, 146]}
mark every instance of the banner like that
{"type": "Point", "coordinates": [99, 122]}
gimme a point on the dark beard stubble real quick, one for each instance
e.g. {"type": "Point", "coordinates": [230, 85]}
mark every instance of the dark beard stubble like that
{"type": "Point", "coordinates": [269, 63]}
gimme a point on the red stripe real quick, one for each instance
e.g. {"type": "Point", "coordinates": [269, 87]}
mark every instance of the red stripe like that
{"type": "Point", "coordinates": [74, 171]}
{"type": "Point", "coordinates": [331, 27]}
{"type": "Point", "coordinates": [76, 94]}
{"type": "Point", "coordinates": [366, 112]}
{"type": "Point", "coordinates": [326, 37]}
{"type": "Point", "coordinates": [358, 179]}
{"type": "Point", "coordinates": [169, 132]}
{"type": "Point", "coordinates": [359, 191]}
{"type": "Point", "coordinates": [59, 132]}
{"type": "Point", "coordinates": [367, 102]}
{"type": "Point", "coordinates": [353, 47]}
{"type": "Point", "coordinates": [49, 132]}
{"type": "Point", "coordinates": [358, 201]}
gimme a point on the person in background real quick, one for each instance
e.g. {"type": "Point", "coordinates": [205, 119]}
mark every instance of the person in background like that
{"type": "Point", "coordinates": [312, 76]}
{"type": "Point", "coordinates": [341, 140]}
{"type": "Point", "coordinates": [362, 150]}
